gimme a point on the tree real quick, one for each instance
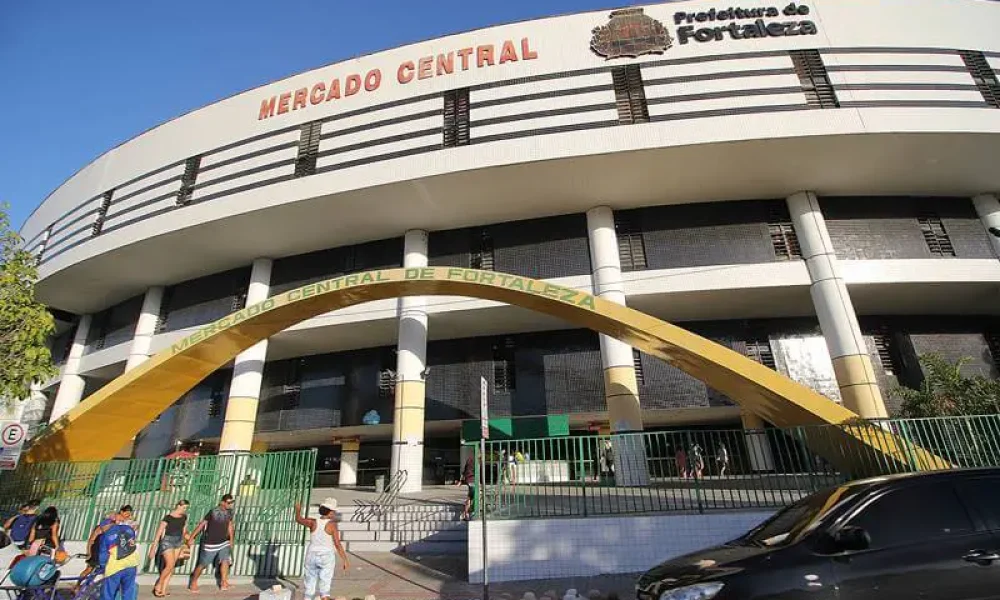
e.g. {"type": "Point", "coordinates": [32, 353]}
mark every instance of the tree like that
{"type": "Point", "coordinates": [25, 323]}
{"type": "Point", "coordinates": [946, 392]}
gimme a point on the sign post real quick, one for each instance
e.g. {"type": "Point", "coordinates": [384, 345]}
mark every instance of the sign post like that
{"type": "Point", "coordinates": [484, 431]}
{"type": "Point", "coordinates": [12, 435]}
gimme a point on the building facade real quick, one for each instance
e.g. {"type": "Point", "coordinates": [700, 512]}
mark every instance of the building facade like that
{"type": "Point", "coordinates": [812, 184]}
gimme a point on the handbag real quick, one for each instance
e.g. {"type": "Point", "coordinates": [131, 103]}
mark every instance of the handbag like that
{"type": "Point", "coordinates": [184, 554]}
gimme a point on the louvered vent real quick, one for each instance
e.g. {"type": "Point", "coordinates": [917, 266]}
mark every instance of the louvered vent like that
{"type": "Point", "coordinates": [630, 96]}
{"type": "Point", "coordinates": [102, 213]}
{"type": "Point", "coordinates": [305, 161]}
{"type": "Point", "coordinates": [631, 246]}
{"type": "Point", "coordinates": [456, 118]}
{"type": "Point", "coordinates": [188, 180]}
{"type": "Point", "coordinates": [935, 235]}
{"type": "Point", "coordinates": [783, 238]}
{"type": "Point", "coordinates": [983, 75]}
{"type": "Point", "coordinates": [760, 351]}
{"type": "Point", "coordinates": [814, 79]}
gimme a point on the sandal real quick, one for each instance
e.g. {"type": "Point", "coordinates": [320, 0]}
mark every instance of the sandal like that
{"type": "Point", "coordinates": [158, 594]}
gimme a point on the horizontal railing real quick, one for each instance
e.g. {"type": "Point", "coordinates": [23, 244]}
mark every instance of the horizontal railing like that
{"type": "Point", "coordinates": [713, 470]}
{"type": "Point", "coordinates": [675, 88]}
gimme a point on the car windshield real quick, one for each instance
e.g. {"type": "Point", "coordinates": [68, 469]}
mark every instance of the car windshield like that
{"type": "Point", "coordinates": [791, 522]}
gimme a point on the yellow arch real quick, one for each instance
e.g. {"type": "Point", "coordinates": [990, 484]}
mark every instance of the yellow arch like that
{"type": "Point", "coordinates": [106, 421]}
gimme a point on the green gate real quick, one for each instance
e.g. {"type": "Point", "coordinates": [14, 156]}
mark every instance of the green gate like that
{"type": "Point", "coordinates": [266, 486]}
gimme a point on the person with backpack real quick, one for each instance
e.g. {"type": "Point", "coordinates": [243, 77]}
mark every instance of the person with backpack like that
{"type": "Point", "coordinates": [119, 560]}
{"type": "Point", "coordinates": [18, 527]}
{"type": "Point", "coordinates": [93, 542]}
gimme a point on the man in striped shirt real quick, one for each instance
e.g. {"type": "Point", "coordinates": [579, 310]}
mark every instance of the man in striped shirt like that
{"type": "Point", "coordinates": [217, 544]}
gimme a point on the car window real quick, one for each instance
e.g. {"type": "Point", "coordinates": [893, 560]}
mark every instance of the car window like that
{"type": "Point", "coordinates": [785, 526]}
{"type": "Point", "coordinates": [917, 513]}
{"type": "Point", "coordinates": [983, 496]}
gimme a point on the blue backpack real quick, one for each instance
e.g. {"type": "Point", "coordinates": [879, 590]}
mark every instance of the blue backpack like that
{"type": "Point", "coordinates": [21, 527]}
{"type": "Point", "coordinates": [34, 571]}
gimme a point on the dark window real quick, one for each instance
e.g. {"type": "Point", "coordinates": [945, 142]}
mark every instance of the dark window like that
{"type": "Point", "coordinates": [630, 97]}
{"type": "Point", "coordinates": [161, 317]}
{"type": "Point", "coordinates": [215, 403]}
{"type": "Point", "coordinates": [886, 356]}
{"type": "Point", "coordinates": [993, 341]}
{"type": "Point", "coordinates": [188, 180]}
{"type": "Point", "coordinates": [386, 383]}
{"type": "Point", "coordinates": [291, 389]}
{"type": "Point", "coordinates": [305, 161]}
{"type": "Point", "coordinates": [102, 212]}
{"type": "Point", "coordinates": [981, 495]}
{"type": "Point", "coordinates": [631, 247]}
{"type": "Point", "coordinates": [815, 82]}
{"type": "Point", "coordinates": [935, 235]}
{"type": "Point", "coordinates": [640, 376]}
{"type": "Point", "coordinates": [99, 325]}
{"type": "Point", "coordinates": [482, 255]}
{"type": "Point", "coordinates": [903, 516]}
{"type": "Point", "coordinates": [503, 366]}
{"type": "Point", "coordinates": [456, 118]}
{"type": "Point", "coordinates": [783, 238]}
{"type": "Point", "coordinates": [983, 75]}
{"type": "Point", "coordinates": [760, 351]}
{"type": "Point", "coordinates": [239, 299]}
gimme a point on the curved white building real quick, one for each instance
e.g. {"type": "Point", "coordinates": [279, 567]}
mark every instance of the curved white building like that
{"type": "Point", "coordinates": [810, 182]}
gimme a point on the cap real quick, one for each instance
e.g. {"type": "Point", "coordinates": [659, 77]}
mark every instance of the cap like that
{"type": "Point", "coordinates": [329, 503]}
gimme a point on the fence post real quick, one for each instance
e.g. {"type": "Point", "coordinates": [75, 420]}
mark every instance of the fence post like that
{"type": "Point", "coordinates": [98, 486]}
{"type": "Point", "coordinates": [583, 475]}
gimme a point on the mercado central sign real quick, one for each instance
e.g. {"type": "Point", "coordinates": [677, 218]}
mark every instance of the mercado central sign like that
{"type": "Point", "coordinates": [501, 280]}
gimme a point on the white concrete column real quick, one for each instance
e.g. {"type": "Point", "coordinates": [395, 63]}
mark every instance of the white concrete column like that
{"type": "Point", "coordinates": [349, 450]}
{"type": "Point", "coordinates": [248, 368]}
{"type": "Point", "coordinates": [145, 328]}
{"type": "Point", "coordinates": [855, 376]}
{"type": "Point", "coordinates": [411, 359]}
{"type": "Point", "coordinates": [758, 446]}
{"type": "Point", "coordinates": [621, 390]}
{"type": "Point", "coordinates": [988, 207]}
{"type": "Point", "coordinates": [71, 386]}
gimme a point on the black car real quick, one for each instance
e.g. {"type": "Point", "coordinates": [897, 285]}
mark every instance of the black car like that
{"type": "Point", "coordinates": [933, 536]}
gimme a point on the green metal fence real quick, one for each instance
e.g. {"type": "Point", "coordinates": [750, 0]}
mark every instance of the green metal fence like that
{"type": "Point", "coordinates": [268, 543]}
{"type": "Point", "coordinates": [708, 470]}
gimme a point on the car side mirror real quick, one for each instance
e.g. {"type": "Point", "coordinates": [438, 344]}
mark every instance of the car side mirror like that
{"type": "Point", "coordinates": [852, 539]}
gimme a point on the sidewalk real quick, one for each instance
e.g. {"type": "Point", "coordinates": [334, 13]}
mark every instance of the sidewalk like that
{"type": "Point", "coordinates": [395, 577]}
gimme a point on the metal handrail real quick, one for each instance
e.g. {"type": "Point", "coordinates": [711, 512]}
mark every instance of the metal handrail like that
{"type": "Point", "coordinates": [385, 502]}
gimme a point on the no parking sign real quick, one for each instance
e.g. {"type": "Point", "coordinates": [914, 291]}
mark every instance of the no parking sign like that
{"type": "Point", "coordinates": [12, 435]}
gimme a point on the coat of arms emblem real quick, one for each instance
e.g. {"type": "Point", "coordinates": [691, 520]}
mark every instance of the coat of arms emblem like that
{"type": "Point", "coordinates": [630, 32]}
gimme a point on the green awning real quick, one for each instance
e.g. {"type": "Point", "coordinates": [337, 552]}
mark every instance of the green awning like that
{"type": "Point", "coordinates": [518, 428]}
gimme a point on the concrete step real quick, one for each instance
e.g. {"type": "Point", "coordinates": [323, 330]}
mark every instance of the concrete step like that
{"type": "Point", "coordinates": [372, 546]}
{"type": "Point", "coordinates": [443, 547]}
{"type": "Point", "coordinates": [425, 526]}
{"type": "Point", "coordinates": [360, 536]}
{"type": "Point", "coordinates": [439, 536]}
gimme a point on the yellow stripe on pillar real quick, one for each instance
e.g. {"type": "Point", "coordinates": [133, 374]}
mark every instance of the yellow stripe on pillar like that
{"type": "Point", "coordinates": [350, 445]}
{"type": "Point", "coordinates": [622, 394]}
{"type": "Point", "coordinates": [859, 389]}
{"type": "Point", "coordinates": [408, 423]}
{"type": "Point", "coordinates": [238, 429]}
{"type": "Point", "coordinates": [258, 447]}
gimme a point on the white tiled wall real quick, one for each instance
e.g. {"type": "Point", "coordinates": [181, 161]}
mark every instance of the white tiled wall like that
{"type": "Point", "coordinates": [556, 548]}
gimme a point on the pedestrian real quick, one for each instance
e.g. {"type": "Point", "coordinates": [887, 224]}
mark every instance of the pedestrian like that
{"type": "Point", "coordinates": [119, 559]}
{"type": "Point", "coordinates": [169, 544]}
{"type": "Point", "coordinates": [217, 545]}
{"type": "Point", "coordinates": [44, 535]}
{"type": "Point", "coordinates": [698, 460]}
{"type": "Point", "coordinates": [18, 527]}
{"type": "Point", "coordinates": [468, 479]}
{"type": "Point", "coordinates": [722, 457]}
{"type": "Point", "coordinates": [93, 542]}
{"type": "Point", "coordinates": [320, 557]}
{"type": "Point", "coordinates": [608, 459]}
{"type": "Point", "coordinates": [682, 462]}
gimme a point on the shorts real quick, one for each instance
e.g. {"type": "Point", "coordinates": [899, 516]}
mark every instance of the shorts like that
{"type": "Point", "coordinates": [214, 557]}
{"type": "Point", "coordinates": [170, 542]}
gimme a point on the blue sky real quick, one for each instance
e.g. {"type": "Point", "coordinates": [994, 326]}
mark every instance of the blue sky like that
{"type": "Point", "coordinates": [79, 77]}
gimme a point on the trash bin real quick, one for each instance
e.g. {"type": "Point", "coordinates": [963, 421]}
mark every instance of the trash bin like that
{"type": "Point", "coordinates": [379, 484]}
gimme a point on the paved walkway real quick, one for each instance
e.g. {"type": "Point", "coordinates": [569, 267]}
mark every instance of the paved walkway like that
{"type": "Point", "coordinates": [395, 577]}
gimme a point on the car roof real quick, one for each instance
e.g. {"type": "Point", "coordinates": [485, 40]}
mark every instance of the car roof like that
{"type": "Point", "coordinates": [884, 480]}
